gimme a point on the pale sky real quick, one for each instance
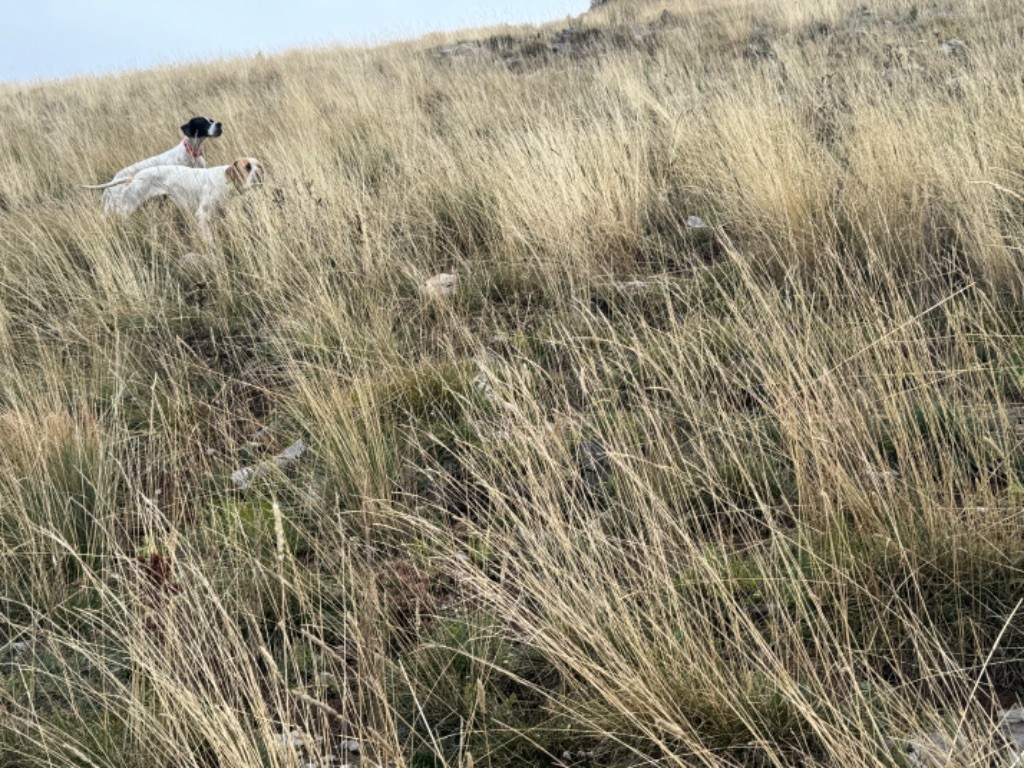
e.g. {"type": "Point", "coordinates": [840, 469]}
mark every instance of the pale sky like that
{"type": "Point", "coordinates": [58, 38]}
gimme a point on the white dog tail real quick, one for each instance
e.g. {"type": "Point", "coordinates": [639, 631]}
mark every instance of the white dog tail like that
{"type": "Point", "coordinates": [115, 183]}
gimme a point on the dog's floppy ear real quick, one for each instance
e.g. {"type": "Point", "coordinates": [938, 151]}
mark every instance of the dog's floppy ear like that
{"type": "Point", "coordinates": [236, 173]}
{"type": "Point", "coordinates": [256, 167]}
{"type": "Point", "coordinates": [189, 130]}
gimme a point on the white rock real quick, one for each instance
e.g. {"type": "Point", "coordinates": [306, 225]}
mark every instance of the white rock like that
{"type": "Point", "coordinates": [440, 285]}
{"type": "Point", "coordinates": [297, 738]}
{"type": "Point", "coordinates": [1011, 722]}
{"type": "Point", "coordinates": [290, 454]}
{"type": "Point", "coordinates": [695, 222]}
{"type": "Point", "coordinates": [16, 649]}
{"type": "Point", "coordinates": [929, 750]}
{"type": "Point", "coordinates": [244, 478]}
{"type": "Point", "coordinates": [952, 46]}
{"type": "Point", "coordinates": [482, 384]}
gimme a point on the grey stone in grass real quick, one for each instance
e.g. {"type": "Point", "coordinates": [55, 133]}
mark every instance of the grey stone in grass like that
{"type": "Point", "coordinates": [297, 739]}
{"type": "Point", "coordinates": [244, 478]}
{"type": "Point", "coordinates": [953, 45]}
{"type": "Point", "coordinates": [933, 750]}
{"type": "Point", "coordinates": [482, 384]}
{"type": "Point", "coordinates": [1011, 723]}
{"type": "Point", "coordinates": [290, 454]}
{"type": "Point", "coordinates": [928, 750]}
{"type": "Point", "coordinates": [695, 222]}
{"type": "Point", "coordinates": [15, 650]}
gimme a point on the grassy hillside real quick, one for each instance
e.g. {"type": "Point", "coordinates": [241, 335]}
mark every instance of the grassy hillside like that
{"type": "Point", "coordinates": [644, 490]}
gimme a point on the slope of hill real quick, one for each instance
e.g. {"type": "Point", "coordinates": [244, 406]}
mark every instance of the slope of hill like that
{"type": "Point", "coordinates": [711, 453]}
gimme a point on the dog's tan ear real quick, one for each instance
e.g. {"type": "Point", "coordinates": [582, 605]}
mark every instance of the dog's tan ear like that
{"type": "Point", "coordinates": [256, 171]}
{"type": "Point", "coordinates": [236, 173]}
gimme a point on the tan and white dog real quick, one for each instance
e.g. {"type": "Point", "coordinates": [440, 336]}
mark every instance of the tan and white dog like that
{"type": "Point", "coordinates": [200, 191]}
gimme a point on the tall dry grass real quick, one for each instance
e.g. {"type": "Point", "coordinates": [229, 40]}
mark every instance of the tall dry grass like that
{"type": "Point", "coordinates": [637, 494]}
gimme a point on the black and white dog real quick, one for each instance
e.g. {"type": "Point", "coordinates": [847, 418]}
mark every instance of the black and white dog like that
{"type": "Point", "coordinates": [189, 153]}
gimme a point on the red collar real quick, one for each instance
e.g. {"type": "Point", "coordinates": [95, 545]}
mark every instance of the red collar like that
{"type": "Point", "coordinates": [196, 153]}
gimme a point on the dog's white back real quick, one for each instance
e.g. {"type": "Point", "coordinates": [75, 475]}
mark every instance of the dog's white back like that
{"type": "Point", "coordinates": [200, 191]}
{"type": "Point", "coordinates": [177, 155]}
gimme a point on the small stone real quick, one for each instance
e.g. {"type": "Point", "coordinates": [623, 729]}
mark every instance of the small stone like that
{"type": "Point", "coordinates": [482, 384]}
{"type": "Point", "coordinates": [244, 478]}
{"type": "Point", "coordinates": [351, 746]}
{"type": "Point", "coordinates": [440, 285]}
{"type": "Point", "coordinates": [952, 45]}
{"type": "Point", "coordinates": [291, 454]}
{"type": "Point", "coordinates": [16, 649]}
{"type": "Point", "coordinates": [1011, 722]}
{"type": "Point", "coordinates": [930, 750]}
{"type": "Point", "coordinates": [695, 222]}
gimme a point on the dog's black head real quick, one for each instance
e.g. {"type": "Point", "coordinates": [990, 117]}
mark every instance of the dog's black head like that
{"type": "Point", "coordinates": [201, 128]}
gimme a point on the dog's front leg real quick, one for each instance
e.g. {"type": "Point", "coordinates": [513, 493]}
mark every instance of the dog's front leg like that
{"type": "Point", "coordinates": [203, 219]}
